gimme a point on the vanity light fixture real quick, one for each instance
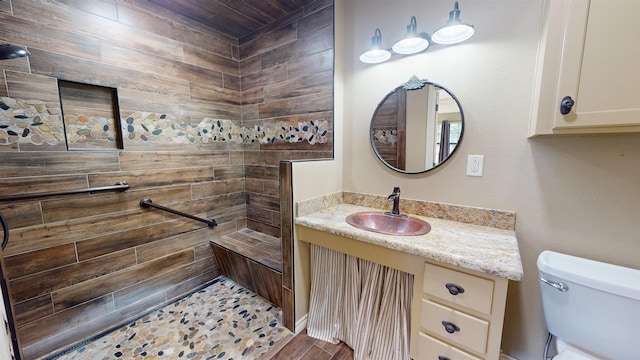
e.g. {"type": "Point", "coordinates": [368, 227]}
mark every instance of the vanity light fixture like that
{"type": "Point", "coordinates": [453, 32]}
{"type": "Point", "coordinates": [375, 54]}
{"type": "Point", "coordinates": [412, 43]}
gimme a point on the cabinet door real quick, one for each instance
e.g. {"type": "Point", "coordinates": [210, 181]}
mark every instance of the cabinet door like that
{"type": "Point", "coordinates": [600, 68]}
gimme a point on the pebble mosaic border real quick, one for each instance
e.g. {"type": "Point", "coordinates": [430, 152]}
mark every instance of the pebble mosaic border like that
{"type": "Point", "coordinates": [82, 129]}
{"type": "Point", "coordinates": [386, 137]}
{"type": "Point", "coordinates": [30, 121]}
{"type": "Point", "coordinates": [37, 122]}
{"type": "Point", "coordinates": [164, 128]}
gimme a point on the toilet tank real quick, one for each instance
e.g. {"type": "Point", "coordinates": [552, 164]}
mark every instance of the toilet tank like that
{"type": "Point", "coordinates": [599, 311]}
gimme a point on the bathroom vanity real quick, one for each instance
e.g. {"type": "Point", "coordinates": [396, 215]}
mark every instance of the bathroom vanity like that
{"type": "Point", "coordinates": [461, 270]}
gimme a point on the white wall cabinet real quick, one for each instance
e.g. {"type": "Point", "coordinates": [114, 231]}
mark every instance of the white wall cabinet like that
{"type": "Point", "coordinates": [589, 51]}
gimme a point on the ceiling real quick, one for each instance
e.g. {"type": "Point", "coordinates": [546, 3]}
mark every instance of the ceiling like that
{"type": "Point", "coordinates": [236, 18]}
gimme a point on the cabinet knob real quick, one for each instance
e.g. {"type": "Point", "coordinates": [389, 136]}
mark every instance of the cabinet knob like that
{"type": "Point", "coordinates": [454, 289]}
{"type": "Point", "coordinates": [450, 327]}
{"type": "Point", "coordinates": [566, 104]}
{"type": "Point", "coordinates": [440, 357]}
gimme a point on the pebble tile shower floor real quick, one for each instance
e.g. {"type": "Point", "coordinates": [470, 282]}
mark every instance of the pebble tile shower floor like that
{"type": "Point", "coordinates": [221, 321]}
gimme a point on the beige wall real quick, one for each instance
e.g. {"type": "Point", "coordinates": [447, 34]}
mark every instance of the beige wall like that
{"type": "Point", "coordinates": [579, 195]}
{"type": "Point", "coordinates": [416, 122]}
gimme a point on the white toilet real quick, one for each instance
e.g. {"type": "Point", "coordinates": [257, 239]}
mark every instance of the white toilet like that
{"type": "Point", "coordinates": [592, 308]}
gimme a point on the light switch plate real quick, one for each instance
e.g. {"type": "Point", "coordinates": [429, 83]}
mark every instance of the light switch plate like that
{"type": "Point", "coordinates": [474, 165]}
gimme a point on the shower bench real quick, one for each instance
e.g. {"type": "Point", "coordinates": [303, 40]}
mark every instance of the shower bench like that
{"type": "Point", "coordinates": [253, 260]}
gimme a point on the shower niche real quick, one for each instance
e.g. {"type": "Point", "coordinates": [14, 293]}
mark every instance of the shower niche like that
{"type": "Point", "coordinates": [91, 116]}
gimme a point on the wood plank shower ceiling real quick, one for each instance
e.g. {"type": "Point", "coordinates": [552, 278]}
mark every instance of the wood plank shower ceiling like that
{"type": "Point", "coordinates": [236, 18]}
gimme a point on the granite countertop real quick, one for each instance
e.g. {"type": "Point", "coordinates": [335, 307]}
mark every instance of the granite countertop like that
{"type": "Point", "coordinates": [481, 248]}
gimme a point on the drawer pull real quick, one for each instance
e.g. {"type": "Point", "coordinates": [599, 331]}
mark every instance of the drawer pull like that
{"type": "Point", "coordinates": [440, 357]}
{"type": "Point", "coordinates": [454, 289]}
{"type": "Point", "coordinates": [450, 327]}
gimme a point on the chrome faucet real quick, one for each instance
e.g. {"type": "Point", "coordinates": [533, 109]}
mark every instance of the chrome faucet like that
{"type": "Point", "coordinates": [395, 197]}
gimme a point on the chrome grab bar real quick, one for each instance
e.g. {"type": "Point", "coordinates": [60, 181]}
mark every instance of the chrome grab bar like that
{"type": "Point", "coordinates": [147, 203]}
{"type": "Point", "coordinates": [560, 286]}
{"type": "Point", "coordinates": [119, 186]}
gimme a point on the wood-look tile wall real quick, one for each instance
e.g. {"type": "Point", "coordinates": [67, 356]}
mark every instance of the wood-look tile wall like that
{"type": "Point", "coordinates": [254, 276]}
{"type": "Point", "coordinates": [286, 75]}
{"type": "Point", "coordinates": [288, 280]}
{"type": "Point", "coordinates": [79, 264]}
{"type": "Point", "coordinates": [390, 115]}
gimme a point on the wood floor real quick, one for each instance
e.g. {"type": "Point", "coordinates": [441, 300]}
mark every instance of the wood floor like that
{"type": "Point", "coordinates": [304, 347]}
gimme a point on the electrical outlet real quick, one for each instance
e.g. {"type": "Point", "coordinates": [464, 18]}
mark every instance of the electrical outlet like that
{"type": "Point", "coordinates": [474, 165]}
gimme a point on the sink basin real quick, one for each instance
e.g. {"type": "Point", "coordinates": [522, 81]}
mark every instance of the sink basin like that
{"type": "Point", "coordinates": [387, 224]}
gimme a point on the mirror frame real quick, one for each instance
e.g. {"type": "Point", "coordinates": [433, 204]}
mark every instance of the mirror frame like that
{"type": "Point", "coordinates": [414, 83]}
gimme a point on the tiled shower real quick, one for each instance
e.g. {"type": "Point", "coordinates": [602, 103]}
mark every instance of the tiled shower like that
{"type": "Point", "coordinates": [205, 120]}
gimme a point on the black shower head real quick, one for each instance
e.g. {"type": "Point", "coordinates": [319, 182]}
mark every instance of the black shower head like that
{"type": "Point", "coordinates": [8, 51]}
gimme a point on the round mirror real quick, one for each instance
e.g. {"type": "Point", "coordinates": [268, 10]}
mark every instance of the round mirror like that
{"type": "Point", "coordinates": [416, 127]}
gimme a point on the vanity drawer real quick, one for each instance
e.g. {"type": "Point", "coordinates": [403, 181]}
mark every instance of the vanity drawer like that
{"type": "Point", "coordinates": [466, 290]}
{"type": "Point", "coordinates": [455, 326]}
{"type": "Point", "coordinates": [432, 349]}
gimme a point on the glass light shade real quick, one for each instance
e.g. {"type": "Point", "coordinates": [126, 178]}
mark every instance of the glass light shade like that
{"type": "Point", "coordinates": [412, 42]}
{"type": "Point", "coordinates": [375, 54]}
{"type": "Point", "coordinates": [452, 34]}
{"type": "Point", "coordinates": [411, 45]}
{"type": "Point", "coordinates": [454, 31]}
